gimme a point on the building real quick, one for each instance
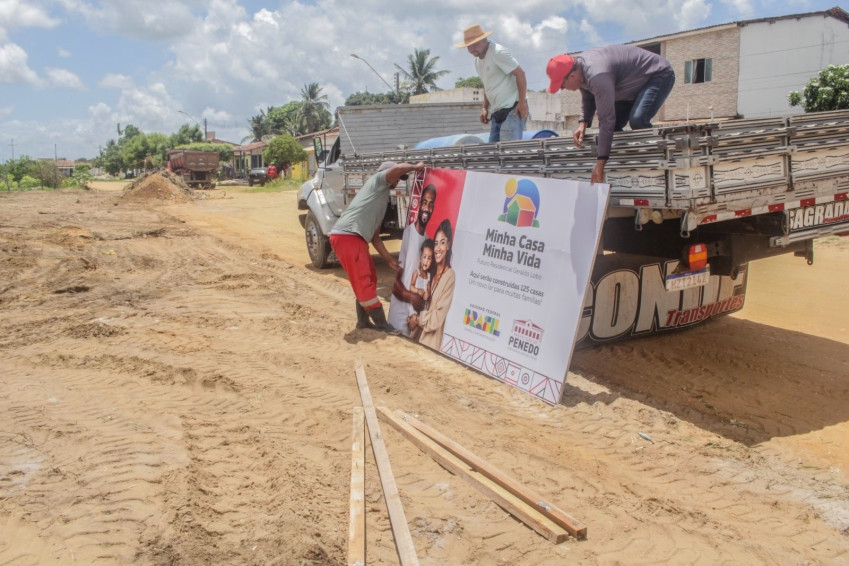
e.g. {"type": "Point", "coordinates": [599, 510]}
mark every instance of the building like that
{"type": "Point", "coordinates": [743, 69]}
{"type": "Point", "coordinates": [306, 169]}
{"type": "Point", "coordinates": [545, 111]}
{"type": "Point", "coordinates": [247, 157]}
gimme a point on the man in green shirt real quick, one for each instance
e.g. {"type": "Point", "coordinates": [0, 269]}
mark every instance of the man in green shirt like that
{"type": "Point", "coordinates": [359, 225]}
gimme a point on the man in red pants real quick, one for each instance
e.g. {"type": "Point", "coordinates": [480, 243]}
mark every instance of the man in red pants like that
{"type": "Point", "coordinates": [359, 225]}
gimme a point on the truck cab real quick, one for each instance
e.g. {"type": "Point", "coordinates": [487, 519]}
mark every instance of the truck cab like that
{"type": "Point", "coordinates": [323, 200]}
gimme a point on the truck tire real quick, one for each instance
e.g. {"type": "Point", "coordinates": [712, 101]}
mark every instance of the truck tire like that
{"type": "Point", "coordinates": [318, 245]}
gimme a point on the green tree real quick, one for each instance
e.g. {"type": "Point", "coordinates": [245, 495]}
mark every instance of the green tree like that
{"type": "Point", "coordinates": [284, 150]}
{"type": "Point", "coordinates": [285, 119]}
{"type": "Point", "coordinates": [185, 135]}
{"type": "Point", "coordinates": [145, 151]}
{"type": "Point", "coordinates": [471, 82]}
{"type": "Point", "coordinates": [828, 91]}
{"type": "Point", "coordinates": [259, 127]}
{"type": "Point", "coordinates": [47, 173]}
{"type": "Point", "coordinates": [110, 159]}
{"type": "Point", "coordinates": [314, 115]}
{"type": "Point", "coordinates": [420, 74]}
{"type": "Point", "coordinates": [369, 98]}
{"type": "Point", "coordinates": [81, 176]}
{"type": "Point", "coordinates": [19, 167]}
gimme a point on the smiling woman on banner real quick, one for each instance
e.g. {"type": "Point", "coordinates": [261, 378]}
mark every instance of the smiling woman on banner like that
{"type": "Point", "coordinates": [432, 319]}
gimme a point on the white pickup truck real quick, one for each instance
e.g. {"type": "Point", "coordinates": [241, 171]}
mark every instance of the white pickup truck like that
{"type": "Point", "coordinates": [690, 207]}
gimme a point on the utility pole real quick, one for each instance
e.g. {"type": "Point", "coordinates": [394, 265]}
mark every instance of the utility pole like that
{"type": "Point", "coordinates": [55, 167]}
{"type": "Point", "coordinates": [13, 148]}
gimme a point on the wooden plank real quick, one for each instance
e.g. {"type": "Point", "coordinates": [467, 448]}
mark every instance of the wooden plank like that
{"type": "Point", "coordinates": [528, 514]}
{"type": "Point", "coordinates": [397, 519]}
{"type": "Point", "coordinates": [547, 508]}
{"type": "Point", "coordinates": [357, 518]}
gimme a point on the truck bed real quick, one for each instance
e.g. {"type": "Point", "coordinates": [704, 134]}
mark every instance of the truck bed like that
{"type": "Point", "coordinates": [699, 174]}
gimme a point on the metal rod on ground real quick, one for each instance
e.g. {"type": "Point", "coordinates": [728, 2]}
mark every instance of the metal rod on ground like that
{"type": "Point", "coordinates": [400, 530]}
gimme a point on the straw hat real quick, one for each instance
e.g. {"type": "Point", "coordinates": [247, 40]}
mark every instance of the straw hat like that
{"type": "Point", "coordinates": [473, 34]}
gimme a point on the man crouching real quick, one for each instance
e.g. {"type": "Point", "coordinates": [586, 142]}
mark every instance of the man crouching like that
{"type": "Point", "coordinates": [359, 225]}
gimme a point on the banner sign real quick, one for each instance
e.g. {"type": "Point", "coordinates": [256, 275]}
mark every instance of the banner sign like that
{"type": "Point", "coordinates": [502, 264]}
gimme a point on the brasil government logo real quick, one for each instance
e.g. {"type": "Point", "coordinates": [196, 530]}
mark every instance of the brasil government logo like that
{"type": "Point", "coordinates": [521, 203]}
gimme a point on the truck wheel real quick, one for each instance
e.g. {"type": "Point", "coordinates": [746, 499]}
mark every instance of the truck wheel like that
{"type": "Point", "coordinates": [250, 182]}
{"type": "Point", "coordinates": [318, 245]}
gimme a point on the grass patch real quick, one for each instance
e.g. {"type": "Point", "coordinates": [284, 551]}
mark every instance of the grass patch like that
{"type": "Point", "coordinates": [275, 186]}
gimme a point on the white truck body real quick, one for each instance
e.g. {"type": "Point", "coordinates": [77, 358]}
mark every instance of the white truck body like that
{"type": "Point", "coordinates": [744, 189]}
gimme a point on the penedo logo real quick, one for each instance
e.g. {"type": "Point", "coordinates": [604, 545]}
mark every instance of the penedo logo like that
{"type": "Point", "coordinates": [521, 203]}
{"type": "Point", "coordinates": [479, 320]}
{"type": "Point", "coordinates": [525, 337]}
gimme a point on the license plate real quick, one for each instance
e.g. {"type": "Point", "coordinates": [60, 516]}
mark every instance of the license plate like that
{"type": "Point", "coordinates": [687, 279]}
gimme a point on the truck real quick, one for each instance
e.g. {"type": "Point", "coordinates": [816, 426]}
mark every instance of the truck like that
{"type": "Point", "coordinates": [197, 168]}
{"type": "Point", "coordinates": [690, 206]}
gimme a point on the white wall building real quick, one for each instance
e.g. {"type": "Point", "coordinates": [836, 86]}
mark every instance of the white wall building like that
{"type": "Point", "coordinates": [781, 55]}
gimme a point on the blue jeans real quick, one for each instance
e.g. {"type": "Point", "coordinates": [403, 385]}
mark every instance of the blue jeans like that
{"type": "Point", "coordinates": [510, 129]}
{"type": "Point", "coordinates": [638, 112]}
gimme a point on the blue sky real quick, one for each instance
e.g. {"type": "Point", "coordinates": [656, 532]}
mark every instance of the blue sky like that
{"type": "Point", "coordinates": [72, 70]}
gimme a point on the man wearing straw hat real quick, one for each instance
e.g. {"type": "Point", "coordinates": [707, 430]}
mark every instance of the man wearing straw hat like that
{"type": "Point", "coordinates": [505, 105]}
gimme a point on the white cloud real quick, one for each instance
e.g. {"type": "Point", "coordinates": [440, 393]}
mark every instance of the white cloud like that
{"type": "Point", "coordinates": [138, 19]}
{"type": "Point", "coordinates": [62, 52]}
{"type": "Point", "coordinates": [21, 14]}
{"type": "Point", "coordinates": [5, 111]}
{"type": "Point", "coordinates": [14, 68]}
{"type": "Point", "coordinates": [114, 80]}
{"type": "Point", "coordinates": [64, 78]}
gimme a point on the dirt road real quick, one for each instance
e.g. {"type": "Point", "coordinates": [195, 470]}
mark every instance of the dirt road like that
{"type": "Point", "coordinates": [176, 387]}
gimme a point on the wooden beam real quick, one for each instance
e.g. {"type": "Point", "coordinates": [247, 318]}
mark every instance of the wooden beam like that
{"type": "Point", "coordinates": [547, 508]}
{"type": "Point", "coordinates": [357, 519]}
{"type": "Point", "coordinates": [529, 514]}
{"type": "Point", "coordinates": [397, 519]}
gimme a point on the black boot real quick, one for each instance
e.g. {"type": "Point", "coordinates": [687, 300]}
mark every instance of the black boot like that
{"type": "Point", "coordinates": [362, 317]}
{"type": "Point", "coordinates": [380, 321]}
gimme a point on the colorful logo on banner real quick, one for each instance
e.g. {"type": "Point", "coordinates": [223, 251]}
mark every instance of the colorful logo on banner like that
{"type": "Point", "coordinates": [486, 323]}
{"type": "Point", "coordinates": [521, 203]}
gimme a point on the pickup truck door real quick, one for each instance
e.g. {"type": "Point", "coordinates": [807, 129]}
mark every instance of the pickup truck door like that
{"type": "Point", "coordinates": [330, 178]}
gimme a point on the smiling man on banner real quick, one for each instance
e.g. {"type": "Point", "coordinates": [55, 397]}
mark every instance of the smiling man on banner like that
{"type": "Point", "coordinates": [405, 301]}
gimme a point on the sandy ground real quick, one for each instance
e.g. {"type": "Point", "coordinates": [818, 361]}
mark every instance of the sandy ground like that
{"type": "Point", "coordinates": [177, 385]}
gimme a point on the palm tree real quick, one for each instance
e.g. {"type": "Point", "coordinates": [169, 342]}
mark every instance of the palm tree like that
{"type": "Point", "coordinates": [259, 127]}
{"type": "Point", "coordinates": [314, 115]}
{"type": "Point", "coordinates": [421, 74]}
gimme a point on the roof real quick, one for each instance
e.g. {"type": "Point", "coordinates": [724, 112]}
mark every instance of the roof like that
{"type": "Point", "coordinates": [333, 130]}
{"type": "Point", "coordinates": [251, 146]}
{"type": "Point", "coordinates": [837, 12]}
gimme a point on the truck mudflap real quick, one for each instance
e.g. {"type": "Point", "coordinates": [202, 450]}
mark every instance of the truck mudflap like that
{"type": "Point", "coordinates": [627, 298]}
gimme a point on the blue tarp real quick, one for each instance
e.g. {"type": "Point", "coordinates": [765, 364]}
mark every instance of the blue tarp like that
{"type": "Point", "coordinates": [460, 139]}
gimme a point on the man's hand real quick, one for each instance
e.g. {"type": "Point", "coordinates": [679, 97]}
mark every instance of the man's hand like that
{"type": "Point", "coordinates": [484, 116]}
{"type": "Point", "coordinates": [522, 109]}
{"type": "Point", "coordinates": [578, 134]}
{"type": "Point", "coordinates": [598, 172]}
{"type": "Point", "coordinates": [393, 263]}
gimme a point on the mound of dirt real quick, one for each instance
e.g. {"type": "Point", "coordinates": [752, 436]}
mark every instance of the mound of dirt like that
{"type": "Point", "coordinates": [157, 186]}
